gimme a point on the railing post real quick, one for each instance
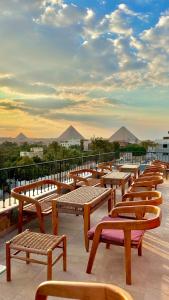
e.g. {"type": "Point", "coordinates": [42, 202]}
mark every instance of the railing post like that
{"type": "Point", "coordinates": [3, 196]}
{"type": "Point", "coordinates": [60, 170]}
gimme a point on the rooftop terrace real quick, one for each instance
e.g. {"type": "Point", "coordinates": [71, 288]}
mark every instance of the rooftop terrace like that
{"type": "Point", "coordinates": [150, 273]}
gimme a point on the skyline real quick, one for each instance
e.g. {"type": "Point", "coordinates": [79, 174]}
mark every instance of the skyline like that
{"type": "Point", "coordinates": [96, 65]}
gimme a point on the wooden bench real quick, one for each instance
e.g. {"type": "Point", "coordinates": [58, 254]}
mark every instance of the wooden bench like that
{"type": "Point", "coordinates": [35, 243]}
{"type": "Point", "coordinates": [86, 177]}
{"type": "Point", "coordinates": [105, 166]}
{"type": "Point", "coordinates": [36, 198]}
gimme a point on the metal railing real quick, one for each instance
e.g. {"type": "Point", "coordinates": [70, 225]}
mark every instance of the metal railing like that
{"type": "Point", "coordinates": [59, 169]}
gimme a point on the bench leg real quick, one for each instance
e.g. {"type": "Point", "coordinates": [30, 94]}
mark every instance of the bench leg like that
{"type": "Point", "coordinates": [27, 257]}
{"type": "Point", "coordinates": [20, 217]}
{"type": "Point", "coordinates": [41, 220]}
{"type": "Point", "coordinates": [8, 262]}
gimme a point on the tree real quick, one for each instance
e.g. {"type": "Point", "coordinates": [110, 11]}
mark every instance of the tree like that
{"type": "Point", "coordinates": [134, 148]}
{"type": "Point", "coordinates": [101, 145]}
{"type": "Point", "coordinates": [148, 143]}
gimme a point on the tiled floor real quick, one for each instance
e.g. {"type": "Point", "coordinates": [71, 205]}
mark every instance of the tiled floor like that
{"type": "Point", "coordinates": [150, 273]}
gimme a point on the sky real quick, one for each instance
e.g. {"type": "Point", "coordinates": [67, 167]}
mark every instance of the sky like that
{"type": "Point", "coordinates": [97, 65]}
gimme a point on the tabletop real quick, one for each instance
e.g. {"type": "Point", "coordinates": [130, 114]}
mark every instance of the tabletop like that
{"type": "Point", "coordinates": [116, 175]}
{"type": "Point", "coordinates": [129, 167]}
{"type": "Point", "coordinates": [83, 195]}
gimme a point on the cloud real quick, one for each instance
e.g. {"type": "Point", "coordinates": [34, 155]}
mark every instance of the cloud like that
{"type": "Point", "coordinates": [60, 14]}
{"type": "Point", "coordinates": [58, 54]}
{"type": "Point", "coordinates": [120, 21]}
{"type": "Point", "coordinates": [19, 86]}
{"type": "Point", "coordinates": [157, 54]}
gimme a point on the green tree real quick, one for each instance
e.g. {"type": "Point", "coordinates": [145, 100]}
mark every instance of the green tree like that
{"type": "Point", "coordinates": [100, 145]}
{"type": "Point", "coordinates": [134, 148]}
{"type": "Point", "coordinates": [148, 143]}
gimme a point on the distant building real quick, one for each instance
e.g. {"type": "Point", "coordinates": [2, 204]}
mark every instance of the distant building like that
{"type": "Point", "coordinates": [70, 137]}
{"type": "Point", "coordinates": [161, 149]}
{"type": "Point", "coordinates": [124, 137]}
{"type": "Point", "coordinates": [86, 144]}
{"type": "Point", "coordinates": [35, 151]}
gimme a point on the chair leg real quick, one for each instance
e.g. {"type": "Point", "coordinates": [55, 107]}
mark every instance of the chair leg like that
{"type": "Point", "coordinates": [127, 243]}
{"type": "Point", "coordinates": [49, 265]}
{"type": "Point", "coordinates": [64, 254]}
{"type": "Point", "coordinates": [92, 255]}
{"type": "Point", "coordinates": [8, 262]}
{"type": "Point", "coordinates": [107, 246]}
{"type": "Point", "coordinates": [140, 249]}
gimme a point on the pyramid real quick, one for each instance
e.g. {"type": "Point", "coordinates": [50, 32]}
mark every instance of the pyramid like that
{"type": "Point", "coordinates": [21, 137]}
{"type": "Point", "coordinates": [70, 134]}
{"type": "Point", "coordinates": [124, 135]}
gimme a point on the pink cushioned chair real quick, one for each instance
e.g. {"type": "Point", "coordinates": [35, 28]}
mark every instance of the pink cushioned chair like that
{"type": "Point", "coordinates": [124, 231]}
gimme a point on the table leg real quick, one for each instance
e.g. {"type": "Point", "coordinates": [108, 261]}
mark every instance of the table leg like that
{"type": "Point", "coordinates": [54, 217]}
{"type": "Point", "coordinates": [49, 265]}
{"type": "Point", "coordinates": [123, 188]}
{"type": "Point", "coordinates": [86, 217]}
{"type": "Point", "coordinates": [130, 181]}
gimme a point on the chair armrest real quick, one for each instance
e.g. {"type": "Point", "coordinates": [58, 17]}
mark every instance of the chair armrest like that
{"type": "Point", "coordinates": [77, 178]}
{"type": "Point", "coordinates": [24, 198]}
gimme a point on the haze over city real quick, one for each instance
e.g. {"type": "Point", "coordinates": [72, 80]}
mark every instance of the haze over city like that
{"type": "Point", "coordinates": [97, 65]}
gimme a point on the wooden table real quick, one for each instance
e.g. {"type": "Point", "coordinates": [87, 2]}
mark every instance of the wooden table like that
{"type": "Point", "coordinates": [130, 168]}
{"type": "Point", "coordinates": [117, 178]}
{"type": "Point", "coordinates": [82, 201]}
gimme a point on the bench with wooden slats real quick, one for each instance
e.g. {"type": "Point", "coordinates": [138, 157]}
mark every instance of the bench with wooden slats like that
{"type": "Point", "coordinates": [36, 198]}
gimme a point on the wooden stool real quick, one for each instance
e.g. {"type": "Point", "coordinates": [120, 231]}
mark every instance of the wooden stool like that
{"type": "Point", "coordinates": [37, 243]}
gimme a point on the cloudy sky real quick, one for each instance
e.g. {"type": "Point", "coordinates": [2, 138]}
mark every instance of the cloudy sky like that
{"type": "Point", "coordinates": [97, 65]}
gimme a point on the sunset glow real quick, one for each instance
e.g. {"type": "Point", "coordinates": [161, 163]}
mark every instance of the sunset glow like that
{"type": "Point", "coordinates": [96, 65]}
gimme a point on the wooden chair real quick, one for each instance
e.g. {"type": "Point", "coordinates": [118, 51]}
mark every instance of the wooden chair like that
{"type": "Point", "coordinates": [81, 291]}
{"type": "Point", "coordinates": [36, 198]}
{"type": "Point", "coordinates": [141, 186]}
{"type": "Point", "coordinates": [141, 198]}
{"type": "Point", "coordinates": [154, 168]}
{"type": "Point", "coordinates": [150, 174]}
{"type": "Point", "coordinates": [121, 231]}
{"type": "Point", "coordinates": [160, 163]}
{"type": "Point", "coordinates": [86, 177]}
{"type": "Point", "coordinates": [155, 179]}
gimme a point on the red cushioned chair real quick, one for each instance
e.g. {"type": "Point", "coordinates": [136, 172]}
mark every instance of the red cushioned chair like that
{"type": "Point", "coordinates": [125, 232]}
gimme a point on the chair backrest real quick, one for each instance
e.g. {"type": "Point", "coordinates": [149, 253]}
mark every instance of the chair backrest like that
{"type": "Point", "coordinates": [105, 166]}
{"type": "Point", "coordinates": [141, 186]}
{"type": "Point", "coordinates": [155, 169]}
{"type": "Point", "coordinates": [140, 222]}
{"type": "Point", "coordinates": [155, 173]}
{"type": "Point", "coordinates": [154, 178]}
{"type": "Point", "coordinates": [141, 198]}
{"type": "Point", "coordinates": [81, 291]}
{"type": "Point", "coordinates": [84, 172]}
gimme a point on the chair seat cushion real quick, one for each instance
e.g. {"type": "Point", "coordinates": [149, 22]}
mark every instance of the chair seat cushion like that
{"type": "Point", "coordinates": [116, 236]}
